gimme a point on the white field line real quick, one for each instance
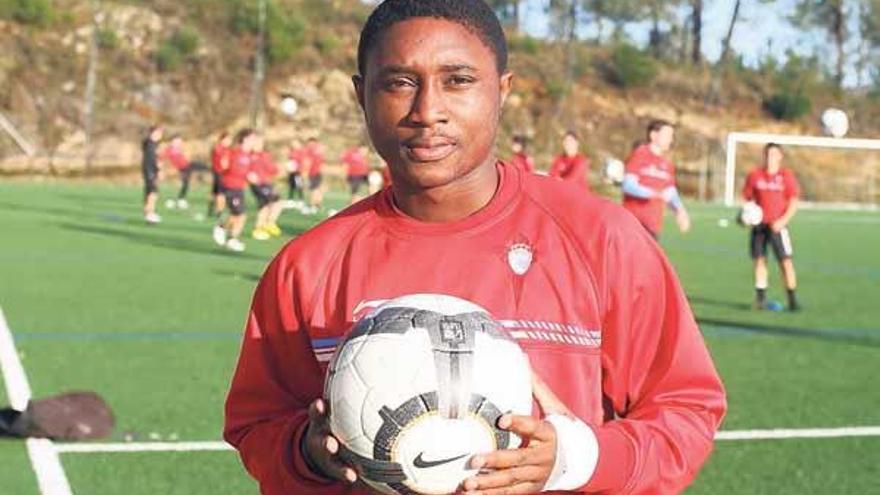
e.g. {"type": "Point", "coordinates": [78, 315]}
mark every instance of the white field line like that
{"type": "Point", "coordinates": [51, 479]}
{"type": "Point", "coordinates": [776, 434]}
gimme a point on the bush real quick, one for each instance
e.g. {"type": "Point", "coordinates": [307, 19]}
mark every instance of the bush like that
{"type": "Point", "coordinates": [168, 58]}
{"type": "Point", "coordinates": [185, 40]}
{"type": "Point", "coordinates": [107, 39]}
{"type": "Point", "coordinates": [630, 67]}
{"type": "Point", "coordinates": [33, 12]}
{"type": "Point", "coordinates": [284, 32]}
{"type": "Point", "coordinates": [525, 44]}
{"type": "Point", "coordinates": [175, 50]}
{"type": "Point", "coordinates": [787, 105]}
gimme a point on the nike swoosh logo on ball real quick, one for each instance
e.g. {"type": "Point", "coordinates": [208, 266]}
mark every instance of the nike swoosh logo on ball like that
{"type": "Point", "coordinates": [421, 463]}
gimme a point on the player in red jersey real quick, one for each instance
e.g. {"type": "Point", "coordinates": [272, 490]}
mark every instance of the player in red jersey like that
{"type": "Point", "coordinates": [775, 189]}
{"type": "Point", "coordinates": [237, 175]}
{"type": "Point", "coordinates": [265, 171]}
{"type": "Point", "coordinates": [357, 167]}
{"type": "Point", "coordinates": [574, 278]}
{"type": "Point", "coordinates": [175, 154]}
{"type": "Point", "coordinates": [520, 157]}
{"type": "Point", "coordinates": [571, 165]}
{"type": "Point", "coordinates": [315, 162]}
{"type": "Point", "coordinates": [649, 181]}
{"type": "Point", "coordinates": [219, 162]}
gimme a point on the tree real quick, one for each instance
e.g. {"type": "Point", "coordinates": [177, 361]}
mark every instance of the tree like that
{"type": "Point", "coordinates": [869, 39]}
{"type": "Point", "coordinates": [829, 16]}
{"type": "Point", "coordinates": [508, 11]}
{"type": "Point", "coordinates": [725, 44]}
{"type": "Point", "coordinates": [697, 31]}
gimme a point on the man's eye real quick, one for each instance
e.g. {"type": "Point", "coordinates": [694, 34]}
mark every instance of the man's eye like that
{"type": "Point", "coordinates": [399, 84]}
{"type": "Point", "coordinates": [461, 80]}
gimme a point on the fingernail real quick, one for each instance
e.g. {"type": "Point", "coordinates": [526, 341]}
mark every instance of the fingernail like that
{"type": "Point", "coordinates": [470, 484]}
{"type": "Point", "coordinates": [319, 405]}
{"type": "Point", "coordinates": [350, 475]}
{"type": "Point", "coordinates": [477, 462]}
{"type": "Point", "coordinates": [504, 422]}
{"type": "Point", "coordinates": [331, 444]}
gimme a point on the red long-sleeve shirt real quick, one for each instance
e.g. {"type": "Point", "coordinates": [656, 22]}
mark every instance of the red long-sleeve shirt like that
{"type": "Point", "coordinates": [655, 173]}
{"type": "Point", "coordinates": [772, 192]}
{"type": "Point", "coordinates": [575, 279]}
{"type": "Point", "coordinates": [571, 168]}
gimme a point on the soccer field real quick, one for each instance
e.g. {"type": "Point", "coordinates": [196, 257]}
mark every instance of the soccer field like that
{"type": "Point", "coordinates": [150, 318]}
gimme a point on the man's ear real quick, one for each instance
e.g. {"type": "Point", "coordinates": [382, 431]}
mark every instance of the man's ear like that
{"type": "Point", "coordinates": [358, 82]}
{"type": "Point", "coordinates": [506, 86]}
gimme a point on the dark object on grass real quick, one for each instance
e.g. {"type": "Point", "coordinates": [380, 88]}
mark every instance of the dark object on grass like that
{"type": "Point", "coordinates": [70, 416]}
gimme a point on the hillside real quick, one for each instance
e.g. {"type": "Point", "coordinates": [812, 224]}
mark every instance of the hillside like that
{"type": "Point", "coordinates": [189, 65]}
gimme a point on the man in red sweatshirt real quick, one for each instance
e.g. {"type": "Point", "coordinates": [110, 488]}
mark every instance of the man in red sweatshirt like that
{"type": "Point", "coordinates": [574, 278]}
{"type": "Point", "coordinates": [571, 165]}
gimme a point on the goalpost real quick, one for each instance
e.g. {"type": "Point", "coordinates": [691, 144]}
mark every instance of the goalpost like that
{"type": "Point", "coordinates": [735, 138]}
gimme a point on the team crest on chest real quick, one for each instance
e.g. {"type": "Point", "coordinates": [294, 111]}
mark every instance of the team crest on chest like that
{"type": "Point", "coordinates": [520, 257]}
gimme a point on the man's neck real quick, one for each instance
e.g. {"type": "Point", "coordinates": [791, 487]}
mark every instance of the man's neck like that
{"type": "Point", "coordinates": [455, 201]}
{"type": "Point", "coordinates": [655, 149]}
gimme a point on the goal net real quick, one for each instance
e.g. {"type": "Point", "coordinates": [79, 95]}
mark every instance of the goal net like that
{"type": "Point", "coordinates": [834, 173]}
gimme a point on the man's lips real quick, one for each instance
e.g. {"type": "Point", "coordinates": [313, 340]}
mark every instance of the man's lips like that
{"type": "Point", "coordinates": [428, 149]}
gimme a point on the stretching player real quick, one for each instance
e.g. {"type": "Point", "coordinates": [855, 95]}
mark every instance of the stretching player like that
{"type": "Point", "coordinates": [234, 179]}
{"type": "Point", "coordinates": [571, 165]}
{"type": "Point", "coordinates": [520, 157]}
{"type": "Point", "coordinates": [295, 167]}
{"type": "Point", "coordinates": [151, 173]}
{"type": "Point", "coordinates": [265, 171]}
{"type": "Point", "coordinates": [649, 181]}
{"type": "Point", "coordinates": [357, 168]}
{"type": "Point", "coordinates": [219, 163]}
{"type": "Point", "coordinates": [632, 405]}
{"type": "Point", "coordinates": [314, 157]}
{"type": "Point", "coordinates": [775, 189]}
{"type": "Point", "coordinates": [176, 156]}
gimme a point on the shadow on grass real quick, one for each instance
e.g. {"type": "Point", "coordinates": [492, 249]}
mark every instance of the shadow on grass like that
{"type": "Point", "coordinates": [239, 275]}
{"type": "Point", "coordinates": [165, 242]}
{"type": "Point", "coordinates": [719, 303]}
{"type": "Point", "coordinates": [863, 337]}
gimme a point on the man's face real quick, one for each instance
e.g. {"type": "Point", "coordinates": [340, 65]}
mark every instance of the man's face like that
{"type": "Point", "coordinates": [226, 141]}
{"type": "Point", "coordinates": [516, 147]}
{"type": "Point", "coordinates": [663, 138]}
{"type": "Point", "coordinates": [431, 96]}
{"type": "Point", "coordinates": [177, 142]}
{"type": "Point", "coordinates": [570, 145]}
{"type": "Point", "coordinates": [774, 158]}
{"type": "Point", "coordinates": [157, 134]}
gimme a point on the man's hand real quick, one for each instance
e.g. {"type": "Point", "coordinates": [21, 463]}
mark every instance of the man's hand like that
{"type": "Point", "coordinates": [683, 220]}
{"type": "Point", "coordinates": [322, 448]}
{"type": "Point", "coordinates": [778, 225]}
{"type": "Point", "coordinates": [524, 470]}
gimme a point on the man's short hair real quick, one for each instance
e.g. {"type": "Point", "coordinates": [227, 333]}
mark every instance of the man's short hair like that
{"type": "Point", "coordinates": [244, 134]}
{"type": "Point", "coordinates": [657, 124]}
{"type": "Point", "coordinates": [770, 146]}
{"type": "Point", "coordinates": [520, 140]}
{"type": "Point", "coordinates": [475, 15]}
{"type": "Point", "coordinates": [570, 133]}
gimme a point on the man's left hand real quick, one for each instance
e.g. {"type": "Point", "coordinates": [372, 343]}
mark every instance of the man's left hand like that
{"type": "Point", "coordinates": [778, 225]}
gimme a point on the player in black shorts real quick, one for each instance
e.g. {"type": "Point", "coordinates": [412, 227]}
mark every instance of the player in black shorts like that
{"type": "Point", "coordinates": [151, 173]}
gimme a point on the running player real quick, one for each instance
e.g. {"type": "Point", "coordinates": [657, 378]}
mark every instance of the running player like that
{"type": "Point", "coordinates": [151, 173]}
{"type": "Point", "coordinates": [775, 189]}
{"type": "Point", "coordinates": [295, 167]}
{"type": "Point", "coordinates": [234, 179]}
{"type": "Point", "coordinates": [649, 181]}
{"type": "Point", "coordinates": [520, 157]}
{"type": "Point", "coordinates": [632, 400]}
{"type": "Point", "coordinates": [219, 163]}
{"type": "Point", "coordinates": [571, 165]}
{"type": "Point", "coordinates": [315, 161]}
{"type": "Point", "coordinates": [357, 168]}
{"type": "Point", "coordinates": [266, 171]}
{"type": "Point", "coordinates": [175, 154]}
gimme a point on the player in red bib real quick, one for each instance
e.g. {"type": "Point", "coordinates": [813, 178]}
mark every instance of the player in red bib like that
{"type": "Point", "coordinates": [357, 168]}
{"type": "Point", "coordinates": [520, 157]}
{"type": "Point", "coordinates": [266, 171]}
{"type": "Point", "coordinates": [175, 154]}
{"type": "Point", "coordinates": [314, 158]}
{"type": "Point", "coordinates": [775, 189]}
{"type": "Point", "coordinates": [649, 181]}
{"type": "Point", "coordinates": [219, 162]}
{"type": "Point", "coordinates": [295, 168]}
{"type": "Point", "coordinates": [234, 179]}
{"type": "Point", "coordinates": [571, 165]}
{"type": "Point", "coordinates": [632, 400]}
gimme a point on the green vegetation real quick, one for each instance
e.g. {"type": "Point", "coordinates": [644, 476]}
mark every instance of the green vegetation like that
{"type": "Point", "coordinates": [177, 49]}
{"type": "Point", "coordinates": [150, 317]}
{"type": "Point", "coordinates": [631, 67]}
{"type": "Point", "coordinates": [32, 12]}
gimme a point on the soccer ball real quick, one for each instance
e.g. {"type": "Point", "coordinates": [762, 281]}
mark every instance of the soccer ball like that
{"type": "Point", "coordinates": [289, 106]}
{"type": "Point", "coordinates": [751, 214]}
{"type": "Point", "coordinates": [416, 389]}
{"type": "Point", "coordinates": [834, 122]}
{"type": "Point", "coordinates": [614, 170]}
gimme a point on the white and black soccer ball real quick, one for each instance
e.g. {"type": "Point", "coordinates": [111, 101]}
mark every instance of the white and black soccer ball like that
{"type": "Point", "coordinates": [834, 122]}
{"type": "Point", "coordinates": [751, 214]}
{"type": "Point", "coordinates": [614, 170]}
{"type": "Point", "coordinates": [288, 105]}
{"type": "Point", "coordinates": [416, 389]}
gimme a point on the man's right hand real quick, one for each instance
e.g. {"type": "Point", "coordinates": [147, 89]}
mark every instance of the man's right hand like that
{"type": "Point", "coordinates": [322, 449]}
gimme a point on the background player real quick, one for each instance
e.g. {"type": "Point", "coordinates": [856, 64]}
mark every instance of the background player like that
{"type": "Point", "coordinates": [219, 163]}
{"type": "Point", "coordinates": [571, 165]}
{"type": "Point", "coordinates": [315, 162]}
{"type": "Point", "coordinates": [175, 154]}
{"type": "Point", "coordinates": [356, 161]}
{"type": "Point", "coordinates": [234, 180]}
{"type": "Point", "coordinates": [520, 157]}
{"type": "Point", "coordinates": [151, 172]}
{"type": "Point", "coordinates": [643, 406]}
{"type": "Point", "coordinates": [295, 166]}
{"type": "Point", "coordinates": [775, 189]}
{"type": "Point", "coordinates": [649, 181]}
{"type": "Point", "coordinates": [265, 172]}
